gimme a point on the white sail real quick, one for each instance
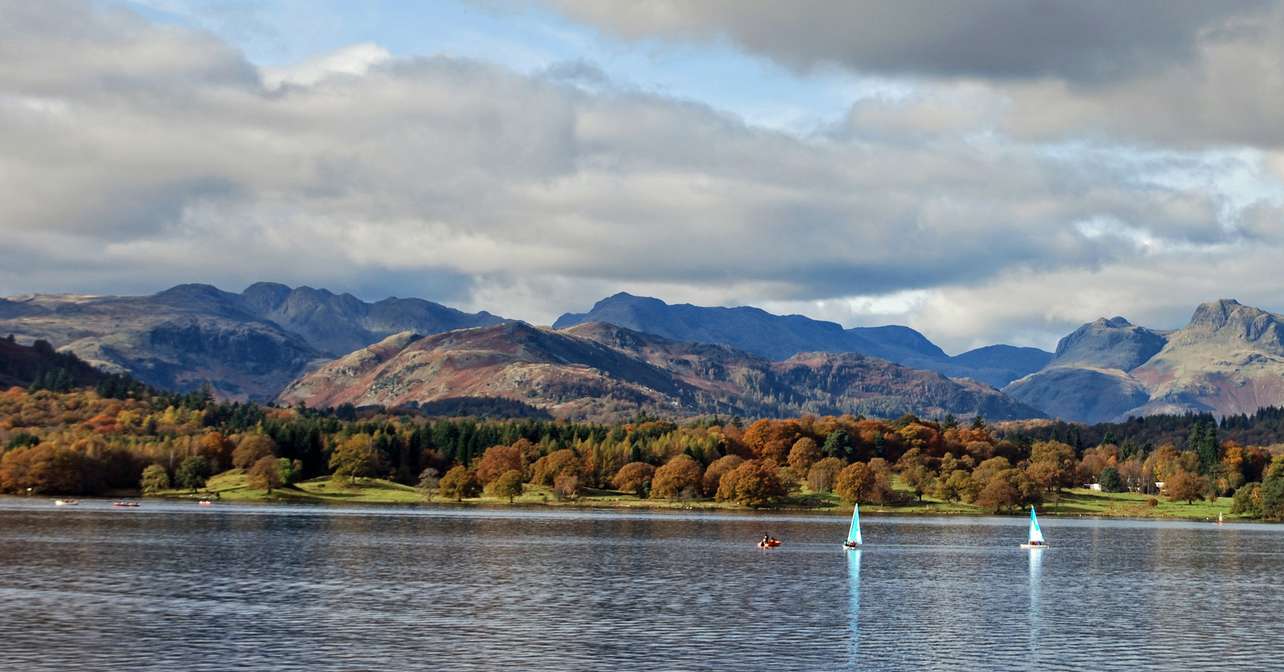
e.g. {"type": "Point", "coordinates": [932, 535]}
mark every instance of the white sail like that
{"type": "Point", "coordinates": [1036, 535]}
{"type": "Point", "coordinates": [853, 533]}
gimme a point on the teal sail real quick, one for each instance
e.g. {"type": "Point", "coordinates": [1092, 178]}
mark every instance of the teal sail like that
{"type": "Point", "coordinates": [853, 533]}
{"type": "Point", "coordinates": [1036, 534]}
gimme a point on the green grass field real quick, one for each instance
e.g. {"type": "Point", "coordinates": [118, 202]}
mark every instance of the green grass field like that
{"type": "Point", "coordinates": [232, 486]}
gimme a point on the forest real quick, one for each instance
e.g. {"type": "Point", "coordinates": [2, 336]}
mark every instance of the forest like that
{"type": "Point", "coordinates": [119, 436]}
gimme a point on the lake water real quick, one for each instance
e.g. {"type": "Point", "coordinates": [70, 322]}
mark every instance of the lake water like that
{"type": "Point", "coordinates": [171, 586]}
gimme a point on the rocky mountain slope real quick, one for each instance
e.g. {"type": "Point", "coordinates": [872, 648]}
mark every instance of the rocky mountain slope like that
{"type": "Point", "coordinates": [601, 371]}
{"type": "Point", "coordinates": [1087, 379]}
{"type": "Point", "coordinates": [1229, 359]}
{"type": "Point", "coordinates": [781, 336]}
{"type": "Point", "coordinates": [245, 346]}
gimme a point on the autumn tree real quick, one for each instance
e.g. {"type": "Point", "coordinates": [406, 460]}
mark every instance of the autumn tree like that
{"type": "Point", "coordinates": [998, 493]}
{"type": "Point", "coordinates": [855, 483]}
{"type": "Point", "coordinates": [719, 468]}
{"type": "Point", "coordinates": [496, 461]}
{"type": "Point", "coordinates": [882, 493]}
{"type": "Point", "coordinates": [252, 448]}
{"type": "Point", "coordinates": [217, 448]}
{"type": "Point", "coordinates": [265, 474]}
{"type": "Point", "coordinates": [956, 486]}
{"type": "Point", "coordinates": [507, 484]}
{"type": "Point", "coordinates": [821, 476]}
{"type": "Point", "coordinates": [772, 439]}
{"type": "Point", "coordinates": [459, 483]}
{"type": "Point", "coordinates": [1057, 462]}
{"type": "Point", "coordinates": [681, 476]}
{"type": "Point", "coordinates": [356, 457]}
{"type": "Point", "coordinates": [566, 485]}
{"type": "Point", "coordinates": [47, 469]}
{"type": "Point", "coordinates": [919, 478]}
{"type": "Point", "coordinates": [802, 455]}
{"type": "Point", "coordinates": [1184, 486]}
{"type": "Point", "coordinates": [755, 484]}
{"type": "Point", "coordinates": [546, 469]}
{"type": "Point", "coordinates": [155, 479]}
{"type": "Point", "coordinates": [634, 477]}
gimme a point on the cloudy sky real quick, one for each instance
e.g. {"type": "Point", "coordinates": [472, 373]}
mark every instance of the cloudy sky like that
{"type": "Point", "coordinates": [988, 171]}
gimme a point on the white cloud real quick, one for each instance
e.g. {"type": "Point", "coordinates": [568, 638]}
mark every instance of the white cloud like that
{"type": "Point", "coordinates": [134, 156]}
{"type": "Point", "coordinates": [354, 60]}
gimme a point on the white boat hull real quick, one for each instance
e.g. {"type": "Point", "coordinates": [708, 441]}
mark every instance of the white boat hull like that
{"type": "Point", "coordinates": [1034, 546]}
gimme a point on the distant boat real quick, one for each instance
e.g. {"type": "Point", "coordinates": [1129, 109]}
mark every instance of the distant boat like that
{"type": "Point", "coordinates": [205, 502]}
{"type": "Point", "coordinates": [853, 532]}
{"type": "Point", "coordinates": [125, 505]}
{"type": "Point", "coordinates": [66, 502]}
{"type": "Point", "coordinates": [1036, 535]}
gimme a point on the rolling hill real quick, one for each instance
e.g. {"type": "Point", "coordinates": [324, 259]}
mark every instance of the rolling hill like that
{"type": "Point", "coordinates": [603, 371]}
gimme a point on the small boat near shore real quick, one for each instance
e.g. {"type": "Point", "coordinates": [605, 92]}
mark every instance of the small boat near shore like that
{"type": "Point", "coordinates": [125, 505]}
{"type": "Point", "coordinates": [205, 502]}
{"type": "Point", "coordinates": [1035, 537]}
{"type": "Point", "coordinates": [768, 541]}
{"type": "Point", "coordinates": [854, 540]}
{"type": "Point", "coordinates": [66, 502]}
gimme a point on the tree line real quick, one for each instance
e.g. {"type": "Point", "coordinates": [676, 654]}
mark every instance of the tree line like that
{"type": "Point", "coordinates": [122, 436]}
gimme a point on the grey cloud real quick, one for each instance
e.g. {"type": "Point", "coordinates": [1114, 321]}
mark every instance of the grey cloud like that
{"type": "Point", "coordinates": [522, 195]}
{"type": "Point", "coordinates": [1185, 73]}
{"type": "Point", "coordinates": [1086, 41]}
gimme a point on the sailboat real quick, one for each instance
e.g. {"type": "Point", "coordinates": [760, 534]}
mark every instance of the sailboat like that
{"type": "Point", "coordinates": [853, 532]}
{"type": "Point", "coordinates": [1036, 534]}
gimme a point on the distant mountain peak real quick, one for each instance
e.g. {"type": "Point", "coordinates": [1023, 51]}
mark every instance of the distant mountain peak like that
{"type": "Point", "coordinates": [1228, 318]}
{"type": "Point", "coordinates": [779, 337]}
{"type": "Point", "coordinates": [192, 291]}
{"type": "Point", "coordinates": [1108, 343]}
{"type": "Point", "coordinates": [1220, 313]}
{"type": "Point", "coordinates": [1116, 322]}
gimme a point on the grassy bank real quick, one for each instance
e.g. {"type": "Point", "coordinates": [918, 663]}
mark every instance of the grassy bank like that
{"type": "Point", "coordinates": [232, 486]}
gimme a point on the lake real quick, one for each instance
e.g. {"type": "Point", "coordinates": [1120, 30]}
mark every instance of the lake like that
{"type": "Point", "coordinates": [172, 586]}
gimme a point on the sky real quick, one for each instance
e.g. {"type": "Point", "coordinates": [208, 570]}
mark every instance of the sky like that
{"type": "Point", "coordinates": [989, 171]}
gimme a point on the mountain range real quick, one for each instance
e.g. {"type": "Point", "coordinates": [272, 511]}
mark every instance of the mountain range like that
{"type": "Point", "coordinates": [781, 336]}
{"type": "Point", "coordinates": [631, 353]}
{"type": "Point", "coordinates": [1229, 359]}
{"type": "Point", "coordinates": [602, 371]}
{"type": "Point", "coordinates": [245, 346]}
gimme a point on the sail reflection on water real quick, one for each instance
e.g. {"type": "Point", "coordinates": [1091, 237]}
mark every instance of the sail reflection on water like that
{"type": "Point", "coordinates": [853, 608]}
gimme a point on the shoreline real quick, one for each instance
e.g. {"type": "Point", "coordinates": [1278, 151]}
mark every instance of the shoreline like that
{"type": "Point", "coordinates": [1073, 504]}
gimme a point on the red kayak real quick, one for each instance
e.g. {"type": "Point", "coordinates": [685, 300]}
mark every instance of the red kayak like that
{"type": "Point", "coordinates": [770, 543]}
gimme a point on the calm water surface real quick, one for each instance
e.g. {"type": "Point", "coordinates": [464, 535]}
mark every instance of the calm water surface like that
{"type": "Point", "coordinates": [172, 586]}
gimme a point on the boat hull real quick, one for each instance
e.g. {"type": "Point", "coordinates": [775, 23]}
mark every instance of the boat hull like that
{"type": "Point", "coordinates": [1034, 546]}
